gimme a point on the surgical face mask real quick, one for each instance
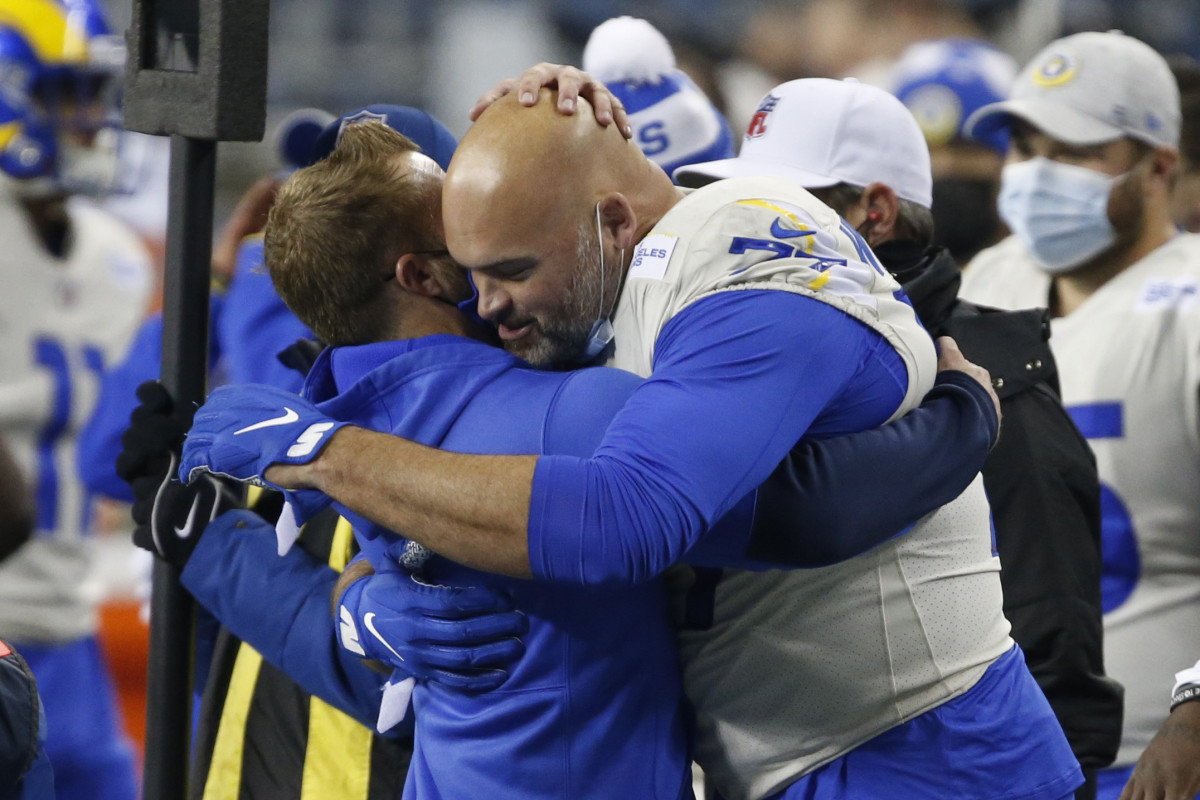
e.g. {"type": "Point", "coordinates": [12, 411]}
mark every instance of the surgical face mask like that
{"type": "Point", "coordinates": [1058, 211]}
{"type": "Point", "coordinates": [602, 330]}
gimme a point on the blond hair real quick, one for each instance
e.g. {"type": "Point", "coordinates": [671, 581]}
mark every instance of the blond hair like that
{"type": "Point", "coordinates": [338, 227]}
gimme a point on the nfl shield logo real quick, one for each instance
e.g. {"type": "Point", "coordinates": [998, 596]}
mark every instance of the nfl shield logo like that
{"type": "Point", "coordinates": [758, 123]}
{"type": "Point", "coordinates": [365, 115]}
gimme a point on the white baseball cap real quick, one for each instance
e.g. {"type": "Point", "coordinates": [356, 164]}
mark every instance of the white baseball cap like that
{"type": "Point", "coordinates": [674, 123]}
{"type": "Point", "coordinates": [820, 132]}
{"type": "Point", "coordinates": [1091, 88]}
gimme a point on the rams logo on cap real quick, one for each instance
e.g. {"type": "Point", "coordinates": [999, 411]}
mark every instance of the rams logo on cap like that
{"type": "Point", "coordinates": [758, 123]}
{"type": "Point", "coordinates": [1055, 71]}
{"type": "Point", "coordinates": [938, 111]}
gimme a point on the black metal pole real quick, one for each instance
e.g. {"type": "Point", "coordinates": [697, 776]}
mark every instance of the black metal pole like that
{"type": "Point", "coordinates": [197, 71]}
{"type": "Point", "coordinates": [184, 372]}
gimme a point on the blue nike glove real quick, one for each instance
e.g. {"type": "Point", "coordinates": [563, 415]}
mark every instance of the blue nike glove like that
{"type": "Point", "coordinates": [243, 429]}
{"type": "Point", "coordinates": [463, 637]}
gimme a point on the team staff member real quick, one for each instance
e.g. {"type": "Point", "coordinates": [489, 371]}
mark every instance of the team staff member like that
{"type": "Point", "coordinates": [261, 731]}
{"type": "Point", "coordinates": [1094, 122]}
{"type": "Point", "coordinates": [865, 156]}
{"type": "Point", "coordinates": [721, 351]}
{"type": "Point", "coordinates": [594, 707]}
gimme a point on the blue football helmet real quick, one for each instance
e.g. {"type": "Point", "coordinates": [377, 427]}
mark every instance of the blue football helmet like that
{"type": "Point", "coordinates": [60, 81]}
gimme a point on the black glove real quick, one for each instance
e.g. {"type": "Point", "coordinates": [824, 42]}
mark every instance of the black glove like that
{"type": "Point", "coordinates": [170, 517]}
{"type": "Point", "coordinates": [155, 432]}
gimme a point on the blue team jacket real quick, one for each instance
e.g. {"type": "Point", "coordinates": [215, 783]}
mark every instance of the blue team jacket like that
{"type": "Point", "coordinates": [594, 707]}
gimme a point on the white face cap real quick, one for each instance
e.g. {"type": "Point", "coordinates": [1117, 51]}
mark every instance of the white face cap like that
{"type": "Point", "coordinates": [820, 132]}
{"type": "Point", "coordinates": [1092, 88]}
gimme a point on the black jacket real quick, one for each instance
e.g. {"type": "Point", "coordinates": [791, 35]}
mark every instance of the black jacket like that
{"type": "Point", "coordinates": [25, 771]}
{"type": "Point", "coordinates": [1045, 495]}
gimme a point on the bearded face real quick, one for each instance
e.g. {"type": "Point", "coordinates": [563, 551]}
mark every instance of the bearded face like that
{"type": "Point", "coordinates": [554, 333]}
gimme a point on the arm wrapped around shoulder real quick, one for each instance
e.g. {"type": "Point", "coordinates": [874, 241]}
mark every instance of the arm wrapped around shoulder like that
{"type": "Point", "coordinates": [833, 499]}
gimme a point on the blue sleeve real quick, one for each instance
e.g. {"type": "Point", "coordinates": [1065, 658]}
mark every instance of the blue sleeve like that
{"type": "Point", "coordinates": [813, 510]}
{"type": "Point", "coordinates": [279, 605]}
{"type": "Point", "coordinates": [738, 379]}
{"type": "Point", "coordinates": [584, 408]}
{"type": "Point", "coordinates": [255, 325]}
{"type": "Point", "coordinates": [100, 440]}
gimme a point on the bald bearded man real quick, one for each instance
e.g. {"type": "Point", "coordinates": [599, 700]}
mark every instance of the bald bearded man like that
{"type": "Point", "coordinates": [760, 320]}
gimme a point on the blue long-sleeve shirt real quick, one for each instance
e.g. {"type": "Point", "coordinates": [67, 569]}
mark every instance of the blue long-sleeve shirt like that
{"type": "Point", "coordinates": [594, 708]}
{"type": "Point", "coordinates": [739, 379]}
{"type": "Point", "coordinates": [294, 631]}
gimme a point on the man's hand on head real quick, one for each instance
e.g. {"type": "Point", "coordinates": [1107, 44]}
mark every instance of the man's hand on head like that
{"type": "Point", "coordinates": [951, 358]}
{"type": "Point", "coordinates": [571, 84]}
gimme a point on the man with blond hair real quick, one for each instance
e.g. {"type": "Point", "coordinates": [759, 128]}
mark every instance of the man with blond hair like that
{"type": "Point", "coordinates": [355, 248]}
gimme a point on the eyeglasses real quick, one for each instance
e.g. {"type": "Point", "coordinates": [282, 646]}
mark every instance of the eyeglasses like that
{"type": "Point", "coordinates": [442, 252]}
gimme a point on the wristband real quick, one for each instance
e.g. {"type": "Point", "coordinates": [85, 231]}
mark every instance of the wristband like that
{"type": "Point", "coordinates": [1187, 677]}
{"type": "Point", "coordinates": [1185, 694]}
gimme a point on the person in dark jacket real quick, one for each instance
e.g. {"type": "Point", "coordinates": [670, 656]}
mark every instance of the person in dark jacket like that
{"type": "Point", "coordinates": [868, 160]}
{"type": "Point", "coordinates": [1042, 483]}
{"type": "Point", "coordinates": [25, 771]}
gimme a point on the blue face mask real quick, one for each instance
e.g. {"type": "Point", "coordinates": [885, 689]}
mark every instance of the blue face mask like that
{"type": "Point", "coordinates": [470, 306]}
{"type": "Point", "coordinates": [1058, 211]}
{"type": "Point", "coordinates": [602, 330]}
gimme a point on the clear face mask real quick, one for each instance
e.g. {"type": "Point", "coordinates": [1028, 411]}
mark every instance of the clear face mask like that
{"type": "Point", "coordinates": [1058, 211]}
{"type": "Point", "coordinates": [602, 332]}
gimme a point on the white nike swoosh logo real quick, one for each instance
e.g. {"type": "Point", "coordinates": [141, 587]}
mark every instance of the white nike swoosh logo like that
{"type": "Point", "coordinates": [186, 530]}
{"type": "Point", "coordinates": [290, 416]}
{"type": "Point", "coordinates": [350, 633]}
{"type": "Point", "coordinates": [369, 621]}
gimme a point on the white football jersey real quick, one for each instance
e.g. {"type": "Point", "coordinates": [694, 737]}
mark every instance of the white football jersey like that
{"type": "Point", "coordinates": [61, 322]}
{"type": "Point", "coordinates": [1129, 364]}
{"type": "Point", "coordinates": [801, 666]}
{"type": "Point", "coordinates": [761, 233]}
